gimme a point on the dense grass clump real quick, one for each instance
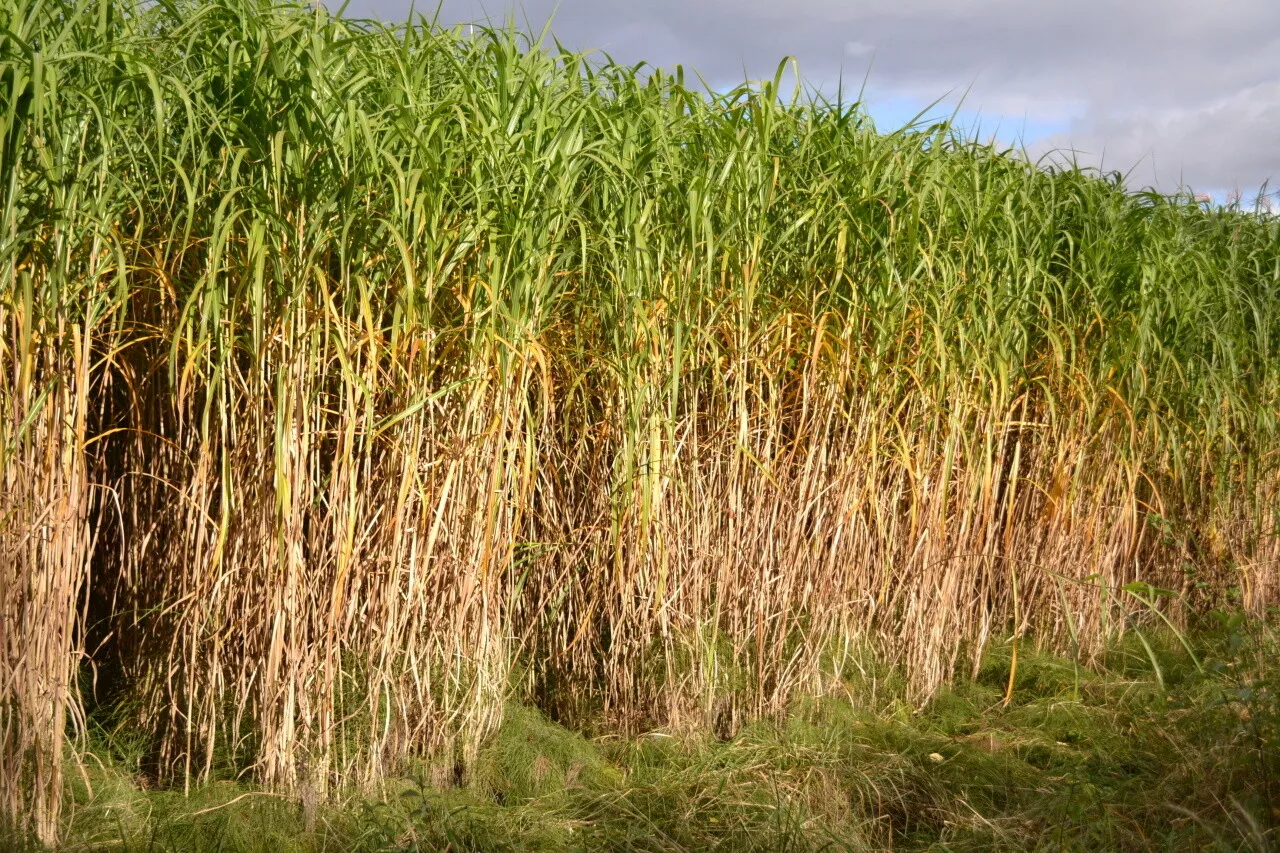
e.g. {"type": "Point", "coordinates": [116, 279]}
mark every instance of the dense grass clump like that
{"type": "Point", "coordinates": [354, 379]}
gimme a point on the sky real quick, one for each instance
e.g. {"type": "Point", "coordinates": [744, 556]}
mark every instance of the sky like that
{"type": "Point", "coordinates": [1176, 93]}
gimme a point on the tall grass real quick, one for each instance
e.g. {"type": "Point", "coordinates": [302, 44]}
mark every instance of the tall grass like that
{"type": "Point", "coordinates": [357, 377]}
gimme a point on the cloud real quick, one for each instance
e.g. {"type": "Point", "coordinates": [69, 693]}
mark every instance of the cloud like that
{"type": "Point", "coordinates": [858, 49]}
{"type": "Point", "coordinates": [1230, 142]}
{"type": "Point", "coordinates": [1189, 85]}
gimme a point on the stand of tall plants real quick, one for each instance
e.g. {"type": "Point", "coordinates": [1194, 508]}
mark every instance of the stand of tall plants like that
{"type": "Point", "coordinates": [355, 378]}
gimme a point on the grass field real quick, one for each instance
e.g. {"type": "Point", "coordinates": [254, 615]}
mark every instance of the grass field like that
{"type": "Point", "coordinates": [1087, 759]}
{"type": "Point", "coordinates": [359, 384]}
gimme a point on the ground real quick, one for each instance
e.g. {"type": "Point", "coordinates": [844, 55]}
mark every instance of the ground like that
{"type": "Point", "coordinates": [1158, 746]}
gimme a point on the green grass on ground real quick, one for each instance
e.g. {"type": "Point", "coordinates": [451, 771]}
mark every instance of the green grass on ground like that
{"type": "Point", "coordinates": [1103, 757]}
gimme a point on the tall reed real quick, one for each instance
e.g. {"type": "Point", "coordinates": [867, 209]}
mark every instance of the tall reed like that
{"type": "Point", "coordinates": [355, 377]}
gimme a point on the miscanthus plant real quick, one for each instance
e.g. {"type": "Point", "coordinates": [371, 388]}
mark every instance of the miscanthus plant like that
{"type": "Point", "coordinates": [354, 378]}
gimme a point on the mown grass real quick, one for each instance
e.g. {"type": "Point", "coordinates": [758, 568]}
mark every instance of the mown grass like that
{"type": "Point", "coordinates": [1082, 758]}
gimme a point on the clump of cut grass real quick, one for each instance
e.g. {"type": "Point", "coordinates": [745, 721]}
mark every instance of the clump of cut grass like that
{"type": "Point", "coordinates": [532, 758]}
{"type": "Point", "coordinates": [355, 378]}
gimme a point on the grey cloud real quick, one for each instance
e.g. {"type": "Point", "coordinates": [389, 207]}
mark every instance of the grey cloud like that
{"type": "Point", "coordinates": [1195, 83]}
{"type": "Point", "coordinates": [1229, 143]}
